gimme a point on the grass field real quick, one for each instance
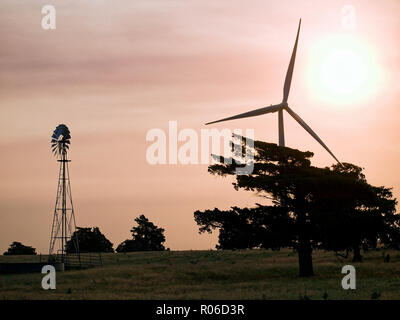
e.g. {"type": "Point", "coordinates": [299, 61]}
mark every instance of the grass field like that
{"type": "Point", "coordinates": [244, 274]}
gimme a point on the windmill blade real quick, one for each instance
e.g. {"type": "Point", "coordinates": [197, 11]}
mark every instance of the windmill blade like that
{"type": "Point", "coordinates": [289, 73]}
{"type": "Point", "coordinates": [253, 113]}
{"type": "Point", "coordinates": [310, 131]}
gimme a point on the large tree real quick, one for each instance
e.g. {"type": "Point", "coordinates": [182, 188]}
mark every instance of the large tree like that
{"type": "Point", "coordinates": [89, 240]}
{"type": "Point", "coordinates": [17, 248]}
{"type": "Point", "coordinates": [300, 195]}
{"type": "Point", "coordinates": [146, 236]}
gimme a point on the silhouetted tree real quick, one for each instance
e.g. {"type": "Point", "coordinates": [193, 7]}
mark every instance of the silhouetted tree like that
{"type": "Point", "coordinates": [89, 240]}
{"type": "Point", "coordinates": [145, 237]}
{"type": "Point", "coordinates": [301, 195]}
{"type": "Point", "coordinates": [269, 227]}
{"type": "Point", "coordinates": [351, 214]}
{"type": "Point", "coordinates": [17, 248]}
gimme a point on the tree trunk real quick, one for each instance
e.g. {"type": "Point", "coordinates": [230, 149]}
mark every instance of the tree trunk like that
{"type": "Point", "coordinates": [305, 257]}
{"type": "Point", "coordinates": [357, 257]}
{"type": "Point", "coordinates": [304, 247]}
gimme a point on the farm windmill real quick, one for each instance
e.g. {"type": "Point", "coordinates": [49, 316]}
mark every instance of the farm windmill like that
{"type": "Point", "coordinates": [64, 219]}
{"type": "Point", "coordinates": [283, 106]}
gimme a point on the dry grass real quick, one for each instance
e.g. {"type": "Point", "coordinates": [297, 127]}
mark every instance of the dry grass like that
{"type": "Point", "coordinates": [247, 274]}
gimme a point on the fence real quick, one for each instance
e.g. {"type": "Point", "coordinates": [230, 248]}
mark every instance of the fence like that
{"type": "Point", "coordinates": [77, 261]}
{"type": "Point", "coordinates": [84, 260]}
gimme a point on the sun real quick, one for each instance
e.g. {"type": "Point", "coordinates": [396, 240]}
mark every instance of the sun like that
{"type": "Point", "coordinates": [343, 70]}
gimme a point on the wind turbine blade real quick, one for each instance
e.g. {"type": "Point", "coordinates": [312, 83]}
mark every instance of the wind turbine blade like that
{"type": "Point", "coordinates": [289, 73]}
{"type": "Point", "coordinates": [253, 113]}
{"type": "Point", "coordinates": [310, 131]}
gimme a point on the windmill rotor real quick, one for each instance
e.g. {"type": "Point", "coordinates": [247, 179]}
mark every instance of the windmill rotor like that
{"type": "Point", "coordinates": [60, 140]}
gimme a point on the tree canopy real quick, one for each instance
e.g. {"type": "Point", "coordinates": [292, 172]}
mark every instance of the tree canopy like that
{"type": "Point", "coordinates": [145, 237]}
{"type": "Point", "coordinates": [333, 207]}
{"type": "Point", "coordinates": [17, 248]}
{"type": "Point", "coordinates": [89, 240]}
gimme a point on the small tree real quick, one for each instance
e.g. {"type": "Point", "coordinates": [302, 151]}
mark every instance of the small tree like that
{"type": "Point", "coordinates": [269, 227]}
{"type": "Point", "coordinates": [89, 240]}
{"type": "Point", "coordinates": [145, 237]}
{"type": "Point", "coordinates": [17, 248]}
{"type": "Point", "coordinates": [350, 214]}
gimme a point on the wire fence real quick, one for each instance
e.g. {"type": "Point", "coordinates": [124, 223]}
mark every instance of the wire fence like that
{"type": "Point", "coordinates": [81, 260]}
{"type": "Point", "coordinates": [72, 260]}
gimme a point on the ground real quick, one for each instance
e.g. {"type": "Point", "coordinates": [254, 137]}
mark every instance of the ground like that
{"type": "Point", "coordinates": [241, 274]}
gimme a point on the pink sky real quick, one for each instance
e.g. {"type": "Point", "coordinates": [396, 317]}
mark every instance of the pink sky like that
{"type": "Point", "coordinates": [112, 70]}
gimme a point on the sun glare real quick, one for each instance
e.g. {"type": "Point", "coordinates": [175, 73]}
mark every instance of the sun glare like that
{"type": "Point", "coordinates": [343, 70]}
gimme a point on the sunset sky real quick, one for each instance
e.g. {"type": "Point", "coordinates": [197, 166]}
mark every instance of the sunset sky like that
{"type": "Point", "coordinates": [113, 70]}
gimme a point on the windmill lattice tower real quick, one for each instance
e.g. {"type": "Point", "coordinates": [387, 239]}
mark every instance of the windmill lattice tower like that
{"type": "Point", "coordinates": [64, 219]}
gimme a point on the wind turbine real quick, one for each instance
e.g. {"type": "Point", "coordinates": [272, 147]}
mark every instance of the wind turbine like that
{"type": "Point", "coordinates": [283, 106]}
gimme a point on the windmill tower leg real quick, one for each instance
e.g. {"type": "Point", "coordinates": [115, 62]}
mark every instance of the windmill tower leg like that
{"type": "Point", "coordinates": [63, 212]}
{"type": "Point", "coordinates": [55, 229]}
{"type": "Point", "coordinates": [70, 219]}
{"type": "Point", "coordinates": [281, 129]}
